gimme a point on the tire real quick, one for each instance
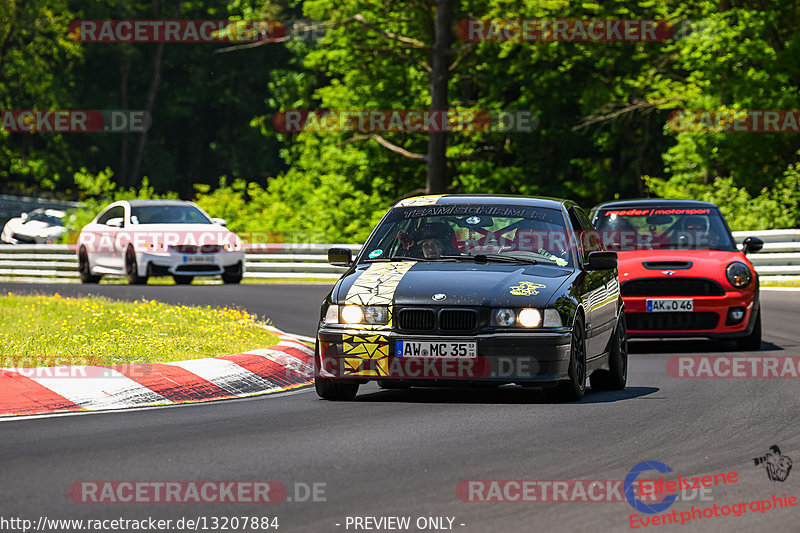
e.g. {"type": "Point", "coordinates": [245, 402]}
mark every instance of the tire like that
{"type": "Point", "coordinates": [84, 270]}
{"type": "Point", "coordinates": [574, 389]}
{"type": "Point", "coordinates": [131, 271]}
{"type": "Point", "coordinates": [617, 376]}
{"type": "Point", "coordinates": [182, 280]}
{"type": "Point", "coordinates": [753, 341]}
{"type": "Point", "coordinates": [392, 385]}
{"type": "Point", "coordinates": [233, 277]}
{"type": "Point", "coordinates": [330, 389]}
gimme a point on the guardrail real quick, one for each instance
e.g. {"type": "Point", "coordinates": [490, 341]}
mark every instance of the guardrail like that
{"type": "Point", "coordinates": [39, 262]}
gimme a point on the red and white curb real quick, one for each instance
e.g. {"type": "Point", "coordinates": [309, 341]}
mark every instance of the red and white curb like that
{"type": "Point", "coordinates": [31, 391]}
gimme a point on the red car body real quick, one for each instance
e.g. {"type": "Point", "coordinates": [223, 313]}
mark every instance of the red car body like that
{"type": "Point", "coordinates": [668, 269]}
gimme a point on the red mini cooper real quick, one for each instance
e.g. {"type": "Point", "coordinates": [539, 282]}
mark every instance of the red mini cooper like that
{"type": "Point", "coordinates": [680, 271]}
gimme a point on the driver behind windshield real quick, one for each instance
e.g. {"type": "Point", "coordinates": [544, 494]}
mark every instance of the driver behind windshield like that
{"type": "Point", "coordinates": [433, 239]}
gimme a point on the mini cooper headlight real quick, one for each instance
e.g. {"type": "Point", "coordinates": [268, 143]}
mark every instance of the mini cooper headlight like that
{"type": "Point", "coordinates": [738, 275]}
{"type": "Point", "coordinates": [505, 317]}
{"type": "Point", "coordinates": [358, 314]}
{"type": "Point", "coordinates": [529, 318]}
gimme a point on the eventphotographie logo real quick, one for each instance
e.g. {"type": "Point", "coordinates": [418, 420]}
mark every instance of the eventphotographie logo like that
{"type": "Point", "coordinates": [777, 465]}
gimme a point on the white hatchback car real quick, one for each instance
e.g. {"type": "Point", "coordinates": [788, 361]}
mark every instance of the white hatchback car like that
{"type": "Point", "coordinates": [143, 238]}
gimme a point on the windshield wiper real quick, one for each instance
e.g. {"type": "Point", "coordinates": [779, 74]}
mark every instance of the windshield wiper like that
{"type": "Point", "coordinates": [500, 258]}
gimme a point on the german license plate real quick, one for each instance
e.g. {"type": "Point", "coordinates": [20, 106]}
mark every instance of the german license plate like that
{"type": "Point", "coordinates": [436, 349]}
{"type": "Point", "coordinates": [663, 305]}
{"type": "Point", "coordinates": [205, 259]}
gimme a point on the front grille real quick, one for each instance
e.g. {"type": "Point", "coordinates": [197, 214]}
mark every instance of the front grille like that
{"type": "Point", "coordinates": [672, 321]}
{"type": "Point", "coordinates": [197, 268]}
{"type": "Point", "coordinates": [193, 249]}
{"type": "Point", "coordinates": [457, 320]}
{"type": "Point", "coordinates": [672, 287]}
{"type": "Point", "coordinates": [417, 319]}
{"type": "Point", "coordinates": [23, 238]}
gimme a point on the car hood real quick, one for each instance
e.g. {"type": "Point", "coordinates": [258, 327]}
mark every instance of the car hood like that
{"type": "Point", "coordinates": [462, 284]}
{"type": "Point", "coordinates": [683, 263]}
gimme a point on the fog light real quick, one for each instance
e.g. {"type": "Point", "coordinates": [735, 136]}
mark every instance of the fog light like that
{"type": "Point", "coordinates": [735, 315]}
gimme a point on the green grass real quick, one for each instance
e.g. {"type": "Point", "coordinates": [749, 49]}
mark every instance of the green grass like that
{"type": "Point", "coordinates": [54, 330]}
{"type": "Point", "coordinates": [786, 283]}
{"type": "Point", "coordinates": [166, 280]}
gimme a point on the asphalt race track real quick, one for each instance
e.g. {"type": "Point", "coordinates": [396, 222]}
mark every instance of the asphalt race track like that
{"type": "Point", "coordinates": [403, 453]}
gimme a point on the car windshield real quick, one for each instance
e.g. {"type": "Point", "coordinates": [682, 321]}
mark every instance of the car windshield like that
{"type": "Point", "coordinates": [663, 227]}
{"type": "Point", "coordinates": [482, 233]}
{"type": "Point", "coordinates": [44, 217]}
{"type": "Point", "coordinates": [167, 214]}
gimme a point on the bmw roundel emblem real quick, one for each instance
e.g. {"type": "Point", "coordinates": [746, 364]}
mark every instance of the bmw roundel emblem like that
{"type": "Point", "coordinates": [439, 296]}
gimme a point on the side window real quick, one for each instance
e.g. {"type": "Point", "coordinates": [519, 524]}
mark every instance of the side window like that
{"type": "Point", "coordinates": [578, 230]}
{"type": "Point", "coordinates": [114, 212]}
{"type": "Point", "coordinates": [592, 238]}
{"type": "Point", "coordinates": [588, 238]}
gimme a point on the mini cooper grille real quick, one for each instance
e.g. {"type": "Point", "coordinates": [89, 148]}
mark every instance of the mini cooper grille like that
{"type": "Point", "coordinates": [457, 320]}
{"type": "Point", "coordinates": [672, 287]}
{"type": "Point", "coordinates": [672, 321]}
{"type": "Point", "coordinates": [417, 319]}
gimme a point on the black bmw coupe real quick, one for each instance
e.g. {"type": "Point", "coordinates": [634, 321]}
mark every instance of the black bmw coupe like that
{"type": "Point", "coordinates": [475, 290]}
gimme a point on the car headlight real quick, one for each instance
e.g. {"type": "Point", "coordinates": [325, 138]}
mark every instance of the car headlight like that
{"type": "Point", "coordinates": [527, 318]}
{"type": "Point", "coordinates": [739, 275]}
{"type": "Point", "coordinates": [357, 314]}
{"type": "Point", "coordinates": [234, 246]}
{"type": "Point", "coordinates": [155, 247]}
{"type": "Point", "coordinates": [505, 317]}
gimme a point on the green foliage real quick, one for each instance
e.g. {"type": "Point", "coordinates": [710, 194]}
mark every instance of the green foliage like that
{"type": "Point", "coordinates": [100, 191]}
{"type": "Point", "coordinates": [773, 208]}
{"type": "Point", "coordinates": [601, 108]}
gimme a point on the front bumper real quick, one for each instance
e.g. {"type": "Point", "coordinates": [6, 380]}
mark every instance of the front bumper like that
{"type": "Point", "coordinates": [709, 318]}
{"type": "Point", "coordinates": [169, 264]}
{"type": "Point", "coordinates": [360, 355]}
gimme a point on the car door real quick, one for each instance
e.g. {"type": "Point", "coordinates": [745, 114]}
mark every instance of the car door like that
{"type": "Point", "coordinates": [601, 288]}
{"type": "Point", "coordinates": [106, 235]}
{"type": "Point", "coordinates": [604, 313]}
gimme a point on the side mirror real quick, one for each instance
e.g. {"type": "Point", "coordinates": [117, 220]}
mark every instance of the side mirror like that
{"type": "Point", "coordinates": [752, 244]}
{"type": "Point", "coordinates": [219, 221]}
{"type": "Point", "coordinates": [602, 260]}
{"type": "Point", "coordinates": [340, 257]}
{"type": "Point", "coordinates": [23, 216]}
{"type": "Point", "coordinates": [114, 222]}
